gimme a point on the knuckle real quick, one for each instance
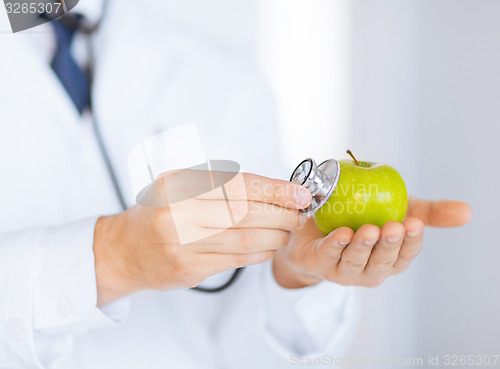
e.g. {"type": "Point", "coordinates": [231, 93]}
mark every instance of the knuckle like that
{"type": "Point", "coordinates": [250, 177]}
{"type": "Point", "coordinates": [233, 185]}
{"type": "Point", "coordinates": [286, 218]}
{"type": "Point", "coordinates": [374, 283]}
{"type": "Point", "coordinates": [275, 193]}
{"type": "Point", "coordinates": [245, 238]}
{"type": "Point", "coordinates": [170, 251]}
{"type": "Point", "coordinates": [236, 186]}
{"type": "Point", "coordinates": [418, 249]}
{"type": "Point", "coordinates": [354, 264]}
{"type": "Point", "coordinates": [284, 239]}
{"type": "Point", "coordinates": [254, 208]}
{"type": "Point", "coordinates": [298, 218]}
{"type": "Point", "coordinates": [279, 240]}
{"type": "Point", "coordinates": [409, 256]}
{"type": "Point", "coordinates": [263, 257]}
{"type": "Point", "coordinates": [268, 255]}
{"type": "Point", "coordinates": [385, 264]}
{"type": "Point", "coordinates": [241, 259]}
{"type": "Point", "coordinates": [400, 269]}
{"type": "Point", "coordinates": [240, 209]}
{"type": "Point", "coordinates": [160, 218]}
{"type": "Point", "coordinates": [180, 263]}
{"type": "Point", "coordinates": [251, 183]}
{"type": "Point", "coordinates": [406, 258]}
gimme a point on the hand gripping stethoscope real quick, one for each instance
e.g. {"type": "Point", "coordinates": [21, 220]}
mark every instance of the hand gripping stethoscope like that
{"type": "Point", "coordinates": [89, 31]}
{"type": "Point", "coordinates": [320, 180]}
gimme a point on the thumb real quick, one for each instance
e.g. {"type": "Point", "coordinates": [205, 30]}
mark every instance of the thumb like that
{"type": "Point", "coordinates": [441, 213]}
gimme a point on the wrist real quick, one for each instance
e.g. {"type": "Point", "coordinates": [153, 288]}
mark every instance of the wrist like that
{"type": "Point", "coordinates": [112, 279]}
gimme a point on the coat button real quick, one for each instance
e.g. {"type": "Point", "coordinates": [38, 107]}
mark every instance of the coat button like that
{"type": "Point", "coordinates": [17, 330]}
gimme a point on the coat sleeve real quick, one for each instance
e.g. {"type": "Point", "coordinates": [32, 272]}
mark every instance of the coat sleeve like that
{"type": "Point", "coordinates": [48, 293]}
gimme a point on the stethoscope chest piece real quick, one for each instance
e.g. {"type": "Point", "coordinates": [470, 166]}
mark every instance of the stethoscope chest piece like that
{"type": "Point", "coordinates": [321, 180]}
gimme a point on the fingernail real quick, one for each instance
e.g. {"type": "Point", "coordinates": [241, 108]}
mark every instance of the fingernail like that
{"type": "Point", "coordinates": [393, 239]}
{"type": "Point", "coordinates": [339, 243]}
{"type": "Point", "coordinates": [302, 219]}
{"type": "Point", "coordinates": [369, 242]}
{"type": "Point", "coordinates": [413, 233]}
{"type": "Point", "coordinates": [302, 197]}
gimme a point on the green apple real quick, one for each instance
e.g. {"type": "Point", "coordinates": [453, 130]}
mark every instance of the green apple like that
{"type": "Point", "coordinates": [366, 193]}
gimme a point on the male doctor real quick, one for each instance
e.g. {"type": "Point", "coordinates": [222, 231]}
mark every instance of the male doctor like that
{"type": "Point", "coordinates": [86, 284]}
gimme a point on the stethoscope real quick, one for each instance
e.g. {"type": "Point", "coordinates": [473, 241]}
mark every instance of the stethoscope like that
{"type": "Point", "coordinates": [89, 32]}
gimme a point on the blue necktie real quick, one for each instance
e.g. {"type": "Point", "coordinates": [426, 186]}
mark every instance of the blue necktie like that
{"type": "Point", "coordinates": [75, 81]}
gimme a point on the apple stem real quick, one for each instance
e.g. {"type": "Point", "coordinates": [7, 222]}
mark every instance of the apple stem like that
{"type": "Point", "coordinates": [352, 156]}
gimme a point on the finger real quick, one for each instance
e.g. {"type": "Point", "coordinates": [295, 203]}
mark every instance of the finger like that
{"type": "Point", "coordinates": [385, 252]}
{"type": "Point", "coordinates": [356, 254]}
{"type": "Point", "coordinates": [440, 213]}
{"type": "Point", "coordinates": [252, 187]}
{"type": "Point", "coordinates": [262, 215]}
{"type": "Point", "coordinates": [180, 185]}
{"type": "Point", "coordinates": [242, 241]}
{"type": "Point", "coordinates": [412, 244]}
{"type": "Point", "coordinates": [213, 263]}
{"type": "Point", "coordinates": [281, 193]}
{"type": "Point", "coordinates": [241, 214]}
{"type": "Point", "coordinates": [330, 248]}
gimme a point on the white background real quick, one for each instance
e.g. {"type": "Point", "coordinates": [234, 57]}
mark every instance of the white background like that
{"type": "Point", "coordinates": [412, 83]}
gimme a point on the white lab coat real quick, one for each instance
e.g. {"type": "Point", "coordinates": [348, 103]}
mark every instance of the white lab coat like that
{"type": "Point", "coordinates": [151, 75]}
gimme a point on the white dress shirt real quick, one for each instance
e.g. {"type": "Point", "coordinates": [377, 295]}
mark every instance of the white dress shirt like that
{"type": "Point", "coordinates": [151, 74]}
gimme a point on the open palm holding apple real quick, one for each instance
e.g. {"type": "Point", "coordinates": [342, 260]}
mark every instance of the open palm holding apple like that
{"type": "Point", "coordinates": [371, 253]}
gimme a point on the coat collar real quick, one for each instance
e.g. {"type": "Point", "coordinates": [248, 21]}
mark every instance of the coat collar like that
{"type": "Point", "coordinates": [26, 78]}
